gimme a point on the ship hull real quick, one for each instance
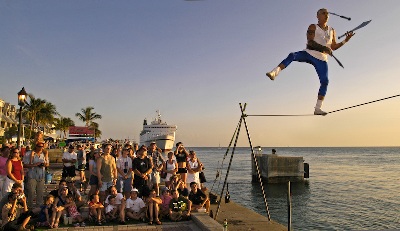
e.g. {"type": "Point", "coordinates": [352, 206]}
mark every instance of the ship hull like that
{"type": "Point", "coordinates": [164, 142]}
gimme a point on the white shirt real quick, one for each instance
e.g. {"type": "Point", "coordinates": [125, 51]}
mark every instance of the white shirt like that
{"type": "Point", "coordinates": [135, 205]}
{"type": "Point", "coordinates": [110, 208]}
{"type": "Point", "coordinates": [324, 38]}
{"type": "Point", "coordinates": [118, 199]}
{"type": "Point", "coordinates": [124, 163]}
{"type": "Point", "coordinates": [69, 156]}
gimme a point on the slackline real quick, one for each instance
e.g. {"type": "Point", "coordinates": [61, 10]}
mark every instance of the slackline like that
{"type": "Point", "coordinates": [358, 105]}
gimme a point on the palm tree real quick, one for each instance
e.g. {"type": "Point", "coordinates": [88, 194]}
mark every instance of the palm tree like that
{"type": "Point", "coordinates": [87, 116]}
{"type": "Point", "coordinates": [62, 124]}
{"type": "Point", "coordinates": [47, 114]}
{"type": "Point", "coordinates": [39, 111]}
{"type": "Point", "coordinates": [10, 132]}
{"type": "Point", "coordinates": [95, 127]}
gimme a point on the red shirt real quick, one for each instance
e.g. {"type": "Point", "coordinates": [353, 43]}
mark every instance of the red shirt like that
{"type": "Point", "coordinates": [91, 203]}
{"type": "Point", "coordinates": [16, 169]}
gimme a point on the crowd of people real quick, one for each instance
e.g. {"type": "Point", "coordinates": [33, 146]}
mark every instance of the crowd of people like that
{"type": "Point", "coordinates": [127, 182]}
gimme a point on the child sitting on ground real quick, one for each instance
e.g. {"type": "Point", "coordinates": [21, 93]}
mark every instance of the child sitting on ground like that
{"type": "Point", "coordinates": [135, 207]}
{"type": "Point", "coordinates": [164, 207]}
{"type": "Point", "coordinates": [73, 211]}
{"type": "Point", "coordinates": [95, 208]}
{"type": "Point", "coordinates": [45, 213]}
{"type": "Point", "coordinates": [111, 209]}
{"type": "Point", "coordinates": [179, 207]}
{"type": "Point", "coordinates": [153, 207]}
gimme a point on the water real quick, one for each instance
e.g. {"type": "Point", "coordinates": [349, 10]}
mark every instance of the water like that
{"type": "Point", "coordinates": [348, 188]}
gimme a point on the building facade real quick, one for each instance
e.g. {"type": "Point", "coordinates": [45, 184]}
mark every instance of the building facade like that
{"type": "Point", "coordinates": [8, 114]}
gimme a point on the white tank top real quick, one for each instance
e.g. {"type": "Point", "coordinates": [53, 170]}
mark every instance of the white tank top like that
{"type": "Point", "coordinates": [324, 38]}
{"type": "Point", "coordinates": [170, 166]}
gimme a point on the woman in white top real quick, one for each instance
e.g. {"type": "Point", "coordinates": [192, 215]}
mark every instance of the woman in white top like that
{"type": "Point", "coordinates": [170, 167]}
{"type": "Point", "coordinates": [39, 159]}
{"type": "Point", "coordinates": [194, 166]}
{"type": "Point", "coordinates": [124, 168]}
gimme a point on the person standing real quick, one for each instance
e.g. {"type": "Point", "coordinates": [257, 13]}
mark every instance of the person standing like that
{"type": "Point", "coordinates": [170, 167]}
{"type": "Point", "coordinates": [93, 179]}
{"type": "Point", "coordinates": [124, 168]}
{"type": "Point", "coordinates": [320, 43]}
{"type": "Point", "coordinates": [5, 152]}
{"type": "Point", "coordinates": [135, 149]}
{"type": "Point", "coordinates": [81, 158]}
{"type": "Point", "coordinates": [155, 154]}
{"type": "Point", "coordinates": [15, 170]}
{"type": "Point", "coordinates": [39, 159]}
{"type": "Point", "coordinates": [69, 159]}
{"type": "Point", "coordinates": [106, 172]}
{"type": "Point", "coordinates": [142, 167]}
{"type": "Point", "coordinates": [181, 156]}
{"type": "Point", "coordinates": [194, 167]}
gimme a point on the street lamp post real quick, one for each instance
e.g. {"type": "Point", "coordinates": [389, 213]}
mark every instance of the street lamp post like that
{"type": "Point", "coordinates": [21, 102]}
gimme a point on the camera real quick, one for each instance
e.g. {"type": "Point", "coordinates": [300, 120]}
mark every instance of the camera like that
{"type": "Point", "coordinates": [41, 165]}
{"type": "Point", "coordinates": [125, 170]}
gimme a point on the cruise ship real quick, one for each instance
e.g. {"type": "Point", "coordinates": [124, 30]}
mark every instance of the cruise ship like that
{"type": "Point", "coordinates": [159, 132]}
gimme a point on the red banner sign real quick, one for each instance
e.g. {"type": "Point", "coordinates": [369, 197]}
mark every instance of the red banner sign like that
{"type": "Point", "coordinates": [74, 130]}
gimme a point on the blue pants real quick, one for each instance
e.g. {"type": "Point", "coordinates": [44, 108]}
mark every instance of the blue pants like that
{"type": "Point", "coordinates": [320, 66]}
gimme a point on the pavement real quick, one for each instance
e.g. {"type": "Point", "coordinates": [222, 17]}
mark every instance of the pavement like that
{"type": "Point", "coordinates": [240, 218]}
{"type": "Point", "coordinates": [181, 226]}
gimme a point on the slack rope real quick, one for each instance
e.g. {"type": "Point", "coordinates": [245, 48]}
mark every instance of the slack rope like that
{"type": "Point", "coordinates": [363, 104]}
{"type": "Point", "coordinates": [358, 105]}
{"type": "Point", "coordinates": [272, 115]}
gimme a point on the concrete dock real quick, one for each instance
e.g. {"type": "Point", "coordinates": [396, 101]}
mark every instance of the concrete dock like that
{"type": "Point", "coordinates": [241, 218]}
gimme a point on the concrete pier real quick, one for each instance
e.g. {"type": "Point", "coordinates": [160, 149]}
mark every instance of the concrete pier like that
{"type": "Point", "coordinates": [241, 218]}
{"type": "Point", "coordinates": [278, 169]}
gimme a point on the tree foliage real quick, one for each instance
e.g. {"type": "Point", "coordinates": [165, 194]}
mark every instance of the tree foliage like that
{"type": "Point", "coordinates": [10, 132]}
{"type": "Point", "coordinates": [62, 124]}
{"type": "Point", "coordinates": [87, 115]}
{"type": "Point", "coordinates": [39, 111]}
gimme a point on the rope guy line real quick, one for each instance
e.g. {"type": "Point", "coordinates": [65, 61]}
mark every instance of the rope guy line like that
{"type": "Point", "coordinates": [358, 105]}
{"type": "Point", "coordinates": [364, 104]}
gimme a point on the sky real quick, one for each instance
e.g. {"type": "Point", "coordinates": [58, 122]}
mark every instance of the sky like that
{"type": "Point", "coordinates": [195, 61]}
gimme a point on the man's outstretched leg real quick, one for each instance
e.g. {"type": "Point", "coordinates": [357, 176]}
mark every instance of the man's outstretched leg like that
{"type": "Point", "coordinates": [272, 74]}
{"type": "Point", "coordinates": [300, 56]}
